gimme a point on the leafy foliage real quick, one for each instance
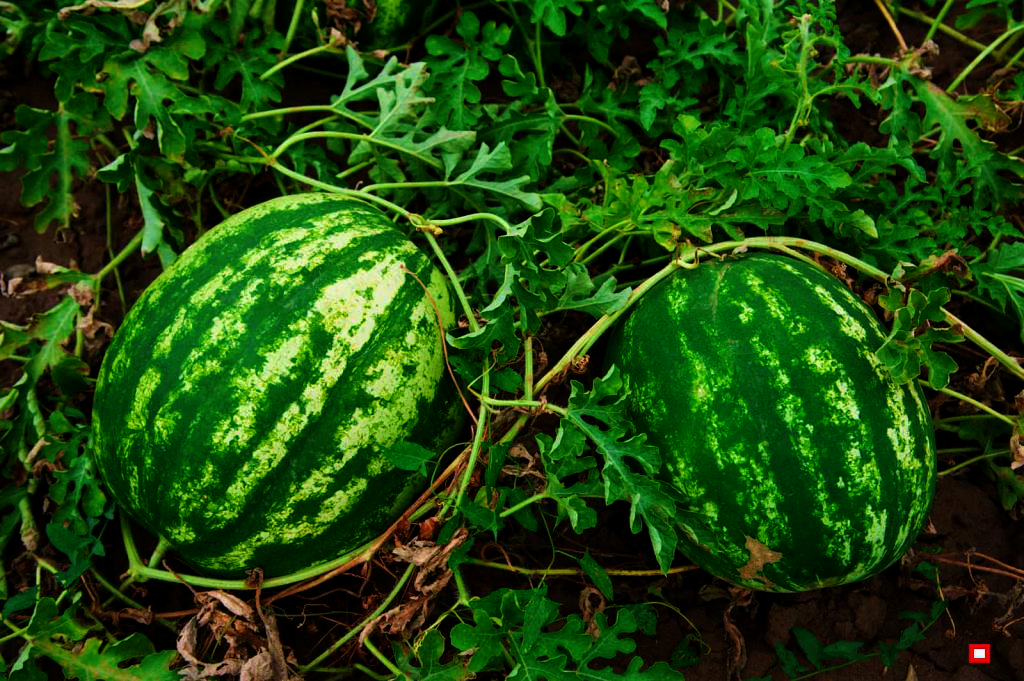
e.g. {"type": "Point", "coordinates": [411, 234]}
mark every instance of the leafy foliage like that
{"type": "Point", "coordinates": [555, 151]}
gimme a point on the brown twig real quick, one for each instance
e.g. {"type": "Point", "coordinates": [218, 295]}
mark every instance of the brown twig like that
{"type": "Point", "coordinates": [892, 25]}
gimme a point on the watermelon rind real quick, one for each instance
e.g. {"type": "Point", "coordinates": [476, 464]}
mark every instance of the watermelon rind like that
{"type": "Point", "coordinates": [245, 407]}
{"type": "Point", "coordinates": [801, 462]}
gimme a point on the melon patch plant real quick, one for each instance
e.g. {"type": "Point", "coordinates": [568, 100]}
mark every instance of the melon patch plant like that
{"type": "Point", "coordinates": [507, 200]}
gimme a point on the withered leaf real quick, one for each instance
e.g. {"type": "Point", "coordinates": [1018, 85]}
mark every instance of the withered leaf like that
{"type": "Point", "coordinates": [760, 555]}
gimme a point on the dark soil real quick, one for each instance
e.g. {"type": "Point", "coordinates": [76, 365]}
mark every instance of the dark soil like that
{"type": "Point", "coordinates": [737, 630]}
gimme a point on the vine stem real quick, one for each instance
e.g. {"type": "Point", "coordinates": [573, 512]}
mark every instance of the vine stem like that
{"type": "Point", "coordinates": [951, 32]}
{"type": "Point", "coordinates": [972, 461]}
{"type": "Point", "coordinates": [937, 22]}
{"type": "Point", "coordinates": [298, 56]}
{"type": "Point", "coordinates": [366, 621]}
{"type": "Point", "coordinates": [575, 572]}
{"type": "Point", "coordinates": [971, 401]}
{"type": "Point", "coordinates": [118, 259]}
{"type": "Point", "coordinates": [986, 345]}
{"type": "Point", "coordinates": [962, 76]}
{"type": "Point", "coordinates": [892, 24]}
{"type": "Point", "coordinates": [383, 659]}
{"type": "Point", "coordinates": [584, 342]}
{"type": "Point", "coordinates": [369, 139]}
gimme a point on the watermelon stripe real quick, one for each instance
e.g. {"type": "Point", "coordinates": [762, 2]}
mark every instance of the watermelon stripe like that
{"type": "Point", "coordinates": [295, 352]}
{"type": "Point", "coordinates": [782, 427]}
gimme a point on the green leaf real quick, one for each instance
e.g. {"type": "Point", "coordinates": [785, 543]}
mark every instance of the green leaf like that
{"type": "Point", "coordinates": [846, 650]}
{"type": "Point", "coordinates": [97, 661]}
{"type": "Point", "coordinates": [810, 644]}
{"type": "Point", "coordinates": [428, 652]}
{"type": "Point", "coordinates": [551, 13]}
{"type": "Point", "coordinates": [148, 81]}
{"type": "Point", "coordinates": [996, 278]}
{"type": "Point", "coordinates": [580, 294]}
{"type": "Point", "coordinates": [597, 575]}
{"type": "Point", "coordinates": [600, 415]}
{"type": "Point", "coordinates": [791, 665]}
{"type": "Point", "coordinates": [917, 326]}
{"type": "Point", "coordinates": [51, 167]}
{"type": "Point", "coordinates": [497, 161]}
{"type": "Point", "coordinates": [410, 456]}
{"type": "Point", "coordinates": [52, 327]}
{"type": "Point", "coordinates": [483, 638]}
{"type": "Point", "coordinates": [983, 165]}
{"type": "Point", "coordinates": [456, 66]}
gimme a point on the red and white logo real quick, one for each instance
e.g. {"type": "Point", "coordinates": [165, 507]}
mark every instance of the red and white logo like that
{"type": "Point", "coordinates": [978, 653]}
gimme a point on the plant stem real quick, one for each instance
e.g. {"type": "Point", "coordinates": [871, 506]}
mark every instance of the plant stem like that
{"type": "Point", "coordinates": [575, 572]}
{"type": "Point", "coordinates": [298, 56]}
{"type": "Point", "coordinates": [528, 368]}
{"type": "Point", "coordinates": [986, 345]}
{"type": "Point", "coordinates": [973, 402]}
{"type": "Point", "coordinates": [875, 60]}
{"type": "Point", "coordinates": [937, 22]}
{"type": "Point", "coordinates": [892, 24]}
{"type": "Point", "coordinates": [976, 459]}
{"type": "Point", "coordinates": [293, 27]}
{"type": "Point", "coordinates": [951, 32]}
{"type": "Point", "coordinates": [383, 659]}
{"type": "Point", "coordinates": [295, 139]}
{"type": "Point", "coordinates": [584, 342]}
{"type": "Point", "coordinates": [981, 57]}
{"type": "Point", "coordinates": [118, 259]}
{"type": "Point", "coordinates": [467, 309]}
{"type": "Point", "coordinates": [366, 621]}
{"type": "Point", "coordinates": [447, 222]}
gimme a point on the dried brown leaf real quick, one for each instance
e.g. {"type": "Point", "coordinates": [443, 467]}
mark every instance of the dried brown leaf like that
{"type": "Point", "coordinates": [260, 668]}
{"type": "Point", "coordinates": [233, 604]}
{"type": "Point", "coordinates": [591, 603]}
{"type": "Point", "coordinates": [1017, 449]}
{"type": "Point", "coordinates": [760, 555]}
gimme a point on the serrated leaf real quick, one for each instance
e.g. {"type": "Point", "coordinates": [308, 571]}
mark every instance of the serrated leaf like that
{"type": "Point", "coordinates": [917, 325]}
{"type": "Point", "coordinates": [53, 328]}
{"type": "Point", "coordinates": [52, 167]}
{"type": "Point", "coordinates": [600, 414]}
{"type": "Point", "coordinates": [482, 638]}
{"type": "Point", "coordinates": [981, 157]}
{"type": "Point", "coordinates": [487, 161]}
{"type": "Point", "coordinates": [154, 96]}
{"type": "Point", "coordinates": [580, 293]}
{"type": "Point", "coordinates": [97, 661]}
{"type": "Point", "coordinates": [456, 66]}
{"type": "Point", "coordinates": [428, 652]}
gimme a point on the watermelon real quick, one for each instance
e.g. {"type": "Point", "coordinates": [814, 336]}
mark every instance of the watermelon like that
{"type": "Point", "coordinates": [799, 461]}
{"type": "Point", "coordinates": [245, 409]}
{"type": "Point", "coordinates": [394, 22]}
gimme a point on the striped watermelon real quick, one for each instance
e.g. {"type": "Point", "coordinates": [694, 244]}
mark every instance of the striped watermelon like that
{"type": "Point", "coordinates": [802, 463]}
{"type": "Point", "coordinates": [244, 408]}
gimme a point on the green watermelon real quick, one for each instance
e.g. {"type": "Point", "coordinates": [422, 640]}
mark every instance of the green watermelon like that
{"type": "Point", "coordinates": [801, 462]}
{"type": "Point", "coordinates": [394, 21]}
{"type": "Point", "coordinates": [245, 408]}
